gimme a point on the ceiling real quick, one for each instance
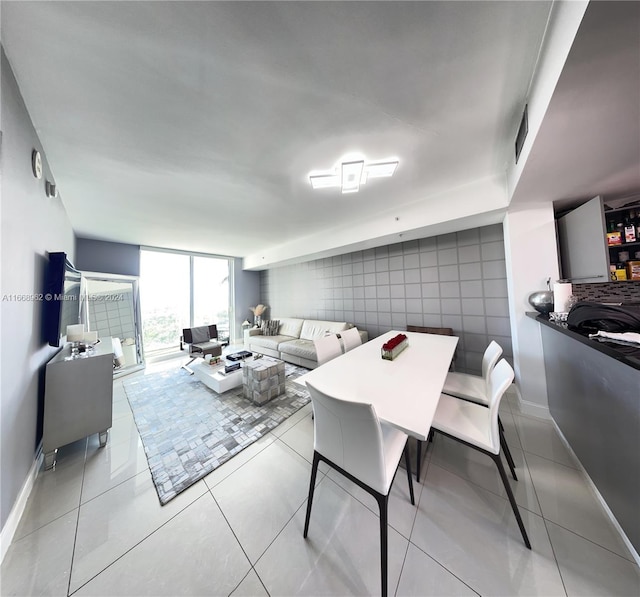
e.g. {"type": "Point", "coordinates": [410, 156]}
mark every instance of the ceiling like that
{"type": "Point", "coordinates": [589, 141]}
{"type": "Point", "coordinates": [194, 125]}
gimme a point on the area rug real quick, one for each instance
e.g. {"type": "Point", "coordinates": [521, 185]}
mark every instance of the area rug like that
{"type": "Point", "coordinates": [188, 430]}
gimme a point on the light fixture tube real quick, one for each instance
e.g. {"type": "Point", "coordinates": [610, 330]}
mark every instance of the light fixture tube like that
{"type": "Point", "coordinates": [323, 181]}
{"type": "Point", "coordinates": [351, 176]}
{"type": "Point", "coordinates": [381, 169]}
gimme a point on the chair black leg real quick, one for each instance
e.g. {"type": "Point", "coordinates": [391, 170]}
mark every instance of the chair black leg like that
{"type": "Point", "coordinates": [407, 462]}
{"type": "Point", "coordinates": [186, 367]}
{"type": "Point", "coordinates": [383, 503]}
{"type": "Point", "coordinates": [312, 486]}
{"type": "Point", "coordinates": [514, 505]}
{"type": "Point", "coordinates": [507, 454]}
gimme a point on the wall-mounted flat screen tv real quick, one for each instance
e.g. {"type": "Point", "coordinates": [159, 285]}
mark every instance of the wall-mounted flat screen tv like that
{"type": "Point", "coordinates": [63, 298]}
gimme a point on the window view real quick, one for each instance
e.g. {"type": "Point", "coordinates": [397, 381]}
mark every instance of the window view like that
{"type": "Point", "coordinates": [179, 290]}
{"type": "Point", "coordinates": [211, 293]}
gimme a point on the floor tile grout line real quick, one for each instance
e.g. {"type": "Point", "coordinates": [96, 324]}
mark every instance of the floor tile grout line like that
{"type": "Point", "coordinates": [572, 458]}
{"type": "Point", "coordinates": [591, 541]}
{"type": "Point", "coordinates": [138, 543]}
{"type": "Point", "coordinates": [445, 568]}
{"type": "Point", "coordinates": [75, 534]}
{"type": "Point", "coordinates": [95, 497]}
{"type": "Point", "coordinates": [546, 528]}
{"type": "Point", "coordinates": [246, 555]}
{"type": "Point", "coordinates": [252, 569]}
{"type": "Point", "coordinates": [404, 560]}
{"type": "Point", "coordinates": [284, 526]}
{"type": "Point", "coordinates": [453, 472]}
{"type": "Point", "coordinates": [555, 558]}
{"type": "Point", "coordinates": [241, 465]}
{"type": "Point", "coordinates": [570, 530]}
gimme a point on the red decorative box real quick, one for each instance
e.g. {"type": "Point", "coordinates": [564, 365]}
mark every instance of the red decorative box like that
{"type": "Point", "coordinates": [393, 347]}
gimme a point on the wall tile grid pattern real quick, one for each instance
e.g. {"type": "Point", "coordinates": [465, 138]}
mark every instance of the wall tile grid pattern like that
{"type": "Point", "coordinates": [612, 291]}
{"type": "Point", "coordinates": [112, 318]}
{"type": "Point", "coordinates": [455, 280]}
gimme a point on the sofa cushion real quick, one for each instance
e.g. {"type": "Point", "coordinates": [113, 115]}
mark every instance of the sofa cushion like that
{"type": "Point", "coordinates": [290, 327]}
{"type": "Point", "coordinates": [270, 327]}
{"type": "Point", "coordinates": [271, 342]}
{"type": "Point", "coordinates": [300, 348]}
{"type": "Point", "coordinates": [315, 328]}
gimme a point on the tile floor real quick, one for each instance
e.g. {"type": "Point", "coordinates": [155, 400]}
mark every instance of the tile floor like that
{"type": "Point", "coordinates": [94, 526]}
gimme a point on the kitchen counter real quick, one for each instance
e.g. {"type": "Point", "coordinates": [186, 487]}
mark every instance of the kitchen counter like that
{"type": "Point", "coordinates": [625, 353]}
{"type": "Point", "coordinates": [593, 390]}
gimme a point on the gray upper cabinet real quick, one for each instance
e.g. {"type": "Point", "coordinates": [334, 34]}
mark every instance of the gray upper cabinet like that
{"type": "Point", "coordinates": [583, 246]}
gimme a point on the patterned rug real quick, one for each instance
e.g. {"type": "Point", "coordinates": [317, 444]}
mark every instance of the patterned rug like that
{"type": "Point", "coordinates": [188, 430]}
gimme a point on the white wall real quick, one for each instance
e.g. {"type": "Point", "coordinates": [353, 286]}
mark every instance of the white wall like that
{"type": "Point", "coordinates": [562, 28]}
{"type": "Point", "coordinates": [32, 225]}
{"type": "Point", "coordinates": [480, 203]}
{"type": "Point", "coordinates": [531, 256]}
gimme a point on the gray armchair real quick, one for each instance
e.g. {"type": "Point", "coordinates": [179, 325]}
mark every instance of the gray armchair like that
{"type": "Point", "coordinates": [202, 341]}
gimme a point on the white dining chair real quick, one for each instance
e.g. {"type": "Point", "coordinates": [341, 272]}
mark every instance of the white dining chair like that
{"type": "Point", "coordinates": [475, 388]}
{"type": "Point", "coordinates": [476, 426]}
{"type": "Point", "coordinates": [327, 348]}
{"type": "Point", "coordinates": [350, 438]}
{"type": "Point", "coordinates": [350, 338]}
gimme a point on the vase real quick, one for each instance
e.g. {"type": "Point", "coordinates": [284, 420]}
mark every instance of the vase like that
{"type": "Point", "coordinates": [257, 320]}
{"type": "Point", "coordinates": [542, 301]}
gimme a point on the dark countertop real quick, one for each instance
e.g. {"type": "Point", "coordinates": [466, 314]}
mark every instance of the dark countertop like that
{"type": "Point", "coordinates": [628, 354]}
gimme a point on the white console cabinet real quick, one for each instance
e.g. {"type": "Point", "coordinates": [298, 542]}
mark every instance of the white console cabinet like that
{"type": "Point", "coordinates": [78, 398]}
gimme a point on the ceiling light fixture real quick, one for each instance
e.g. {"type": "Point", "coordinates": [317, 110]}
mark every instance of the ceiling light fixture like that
{"type": "Point", "coordinates": [350, 174]}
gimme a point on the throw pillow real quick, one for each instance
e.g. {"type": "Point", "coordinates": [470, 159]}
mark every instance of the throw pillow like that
{"type": "Point", "coordinates": [270, 327]}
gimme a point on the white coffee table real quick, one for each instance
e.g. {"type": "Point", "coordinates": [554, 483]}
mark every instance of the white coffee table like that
{"type": "Point", "coordinates": [215, 378]}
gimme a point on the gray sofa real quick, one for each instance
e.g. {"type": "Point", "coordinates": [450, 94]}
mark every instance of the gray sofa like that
{"type": "Point", "coordinates": [294, 341]}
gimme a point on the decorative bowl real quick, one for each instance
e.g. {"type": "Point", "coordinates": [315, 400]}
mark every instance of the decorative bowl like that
{"type": "Point", "coordinates": [542, 301]}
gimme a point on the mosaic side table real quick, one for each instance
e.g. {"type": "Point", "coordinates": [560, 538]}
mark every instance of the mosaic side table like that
{"type": "Point", "coordinates": [262, 379]}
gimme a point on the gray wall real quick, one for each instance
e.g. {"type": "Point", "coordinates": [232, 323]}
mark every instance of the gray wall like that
{"type": "Point", "coordinates": [594, 400]}
{"type": "Point", "coordinates": [246, 293]}
{"type": "Point", "coordinates": [32, 226]}
{"type": "Point", "coordinates": [107, 257]}
{"type": "Point", "coordinates": [455, 280]}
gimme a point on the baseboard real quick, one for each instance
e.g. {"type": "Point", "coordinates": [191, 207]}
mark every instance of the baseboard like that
{"type": "Point", "coordinates": [10, 527]}
{"type": "Point", "coordinates": [529, 408]}
{"type": "Point", "coordinates": [599, 497]}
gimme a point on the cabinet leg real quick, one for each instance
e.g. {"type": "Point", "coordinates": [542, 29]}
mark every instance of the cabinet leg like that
{"type": "Point", "coordinates": [50, 459]}
{"type": "Point", "coordinates": [103, 435]}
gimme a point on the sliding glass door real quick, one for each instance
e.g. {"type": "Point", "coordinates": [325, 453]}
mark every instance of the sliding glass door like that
{"type": "Point", "coordinates": [164, 298]}
{"type": "Point", "coordinates": [180, 290]}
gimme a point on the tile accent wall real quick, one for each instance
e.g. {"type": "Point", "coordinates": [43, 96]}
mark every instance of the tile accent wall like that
{"type": "Point", "coordinates": [112, 318]}
{"type": "Point", "coordinates": [455, 280]}
{"type": "Point", "coordinates": [626, 292]}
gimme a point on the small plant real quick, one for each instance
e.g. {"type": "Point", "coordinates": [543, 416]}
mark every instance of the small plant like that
{"type": "Point", "coordinates": [257, 311]}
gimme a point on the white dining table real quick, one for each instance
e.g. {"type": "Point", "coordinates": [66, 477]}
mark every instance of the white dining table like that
{"type": "Point", "coordinates": [405, 392]}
